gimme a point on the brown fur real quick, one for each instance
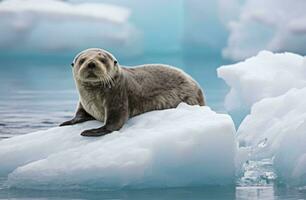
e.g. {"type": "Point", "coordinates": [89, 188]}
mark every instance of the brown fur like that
{"type": "Point", "coordinates": [131, 91]}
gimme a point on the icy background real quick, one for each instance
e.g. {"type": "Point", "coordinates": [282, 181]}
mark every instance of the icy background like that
{"type": "Point", "coordinates": [260, 90]}
{"type": "Point", "coordinates": [237, 29]}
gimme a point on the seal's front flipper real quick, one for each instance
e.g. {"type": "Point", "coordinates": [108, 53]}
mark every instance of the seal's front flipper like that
{"type": "Point", "coordinates": [80, 116]}
{"type": "Point", "coordinates": [96, 132]}
{"type": "Point", "coordinates": [117, 116]}
{"type": "Point", "coordinates": [75, 121]}
{"type": "Point", "coordinates": [67, 123]}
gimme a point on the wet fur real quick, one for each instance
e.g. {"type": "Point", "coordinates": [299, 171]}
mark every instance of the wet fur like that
{"type": "Point", "coordinates": [133, 91]}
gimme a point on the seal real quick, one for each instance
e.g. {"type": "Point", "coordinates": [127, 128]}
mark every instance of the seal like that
{"type": "Point", "coordinates": [112, 93]}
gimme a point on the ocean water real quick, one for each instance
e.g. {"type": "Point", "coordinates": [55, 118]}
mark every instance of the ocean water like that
{"type": "Point", "coordinates": [37, 92]}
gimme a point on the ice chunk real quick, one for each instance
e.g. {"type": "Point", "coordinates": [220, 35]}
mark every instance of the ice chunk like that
{"type": "Point", "coordinates": [276, 128]}
{"type": "Point", "coordinates": [262, 76]}
{"type": "Point", "coordinates": [186, 146]}
{"type": "Point", "coordinates": [259, 172]}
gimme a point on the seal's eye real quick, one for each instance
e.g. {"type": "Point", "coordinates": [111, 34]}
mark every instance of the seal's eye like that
{"type": "Point", "coordinates": [115, 62]}
{"type": "Point", "coordinates": [72, 64]}
{"type": "Point", "coordinates": [82, 61]}
{"type": "Point", "coordinates": [102, 60]}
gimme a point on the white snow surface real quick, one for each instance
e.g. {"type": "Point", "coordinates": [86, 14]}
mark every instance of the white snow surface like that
{"type": "Point", "coordinates": [276, 128]}
{"type": "Point", "coordinates": [265, 75]}
{"type": "Point", "coordinates": [185, 146]}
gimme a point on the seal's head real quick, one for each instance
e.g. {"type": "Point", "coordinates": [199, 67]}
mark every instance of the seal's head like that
{"type": "Point", "coordinates": [94, 65]}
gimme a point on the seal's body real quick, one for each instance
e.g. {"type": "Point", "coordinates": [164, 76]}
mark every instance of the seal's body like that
{"type": "Point", "coordinates": [111, 93]}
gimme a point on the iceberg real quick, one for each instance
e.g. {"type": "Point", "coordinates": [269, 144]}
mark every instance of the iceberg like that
{"type": "Point", "coordinates": [55, 9]}
{"type": "Point", "coordinates": [276, 129]}
{"type": "Point", "coordinates": [266, 25]}
{"type": "Point", "coordinates": [51, 25]}
{"type": "Point", "coordinates": [273, 87]}
{"type": "Point", "coordinates": [185, 146]}
{"type": "Point", "coordinates": [265, 75]}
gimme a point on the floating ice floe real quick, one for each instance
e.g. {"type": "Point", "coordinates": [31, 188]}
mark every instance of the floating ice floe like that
{"type": "Point", "coordinates": [186, 146]}
{"type": "Point", "coordinates": [262, 76]}
{"type": "Point", "coordinates": [276, 128]}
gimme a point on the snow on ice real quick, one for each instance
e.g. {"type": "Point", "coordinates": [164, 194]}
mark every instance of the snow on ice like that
{"type": "Point", "coordinates": [262, 76]}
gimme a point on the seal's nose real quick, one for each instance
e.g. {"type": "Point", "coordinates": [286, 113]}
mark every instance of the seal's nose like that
{"type": "Point", "coordinates": [91, 65]}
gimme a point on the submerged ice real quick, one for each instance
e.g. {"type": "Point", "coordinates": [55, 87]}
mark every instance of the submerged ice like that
{"type": "Point", "coordinates": [276, 129]}
{"type": "Point", "coordinates": [186, 146]}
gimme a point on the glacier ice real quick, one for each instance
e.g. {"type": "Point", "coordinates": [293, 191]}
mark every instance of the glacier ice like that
{"type": "Point", "coordinates": [268, 25]}
{"type": "Point", "coordinates": [276, 129]}
{"type": "Point", "coordinates": [265, 75]}
{"type": "Point", "coordinates": [185, 146]}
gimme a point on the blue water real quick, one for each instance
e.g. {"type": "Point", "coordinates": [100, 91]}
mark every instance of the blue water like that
{"type": "Point", "coordinates": [209, 193]}
{"type": "Point", "coordinates": [38, 93]}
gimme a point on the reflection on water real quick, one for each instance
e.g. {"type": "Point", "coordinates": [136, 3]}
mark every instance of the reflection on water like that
{"type": "Point", "coordinates": [166, 194]}
{"type": "Point", "coordinates": [27, 111]}
{"type": "Point", "coordinates": [210, 193]}
{"type": "Point", "coordinates": [264, 193]}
